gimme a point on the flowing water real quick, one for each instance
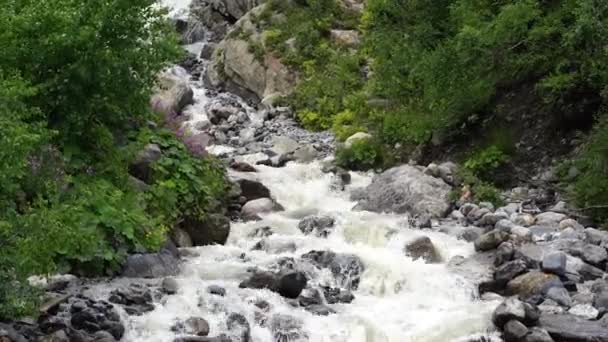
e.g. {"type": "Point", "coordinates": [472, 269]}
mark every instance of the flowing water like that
{"type": "Point", "coordinates": [398, 299]}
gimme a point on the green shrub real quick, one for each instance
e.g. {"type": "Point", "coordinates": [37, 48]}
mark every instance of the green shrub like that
{"type": "Point", "coordinates": [345, 124]}
{"type": "Point", "coordinates": [590, 189]}
{"type": "Point", "coordinates": [313, 120]}
{"type": "Point", "coordinates": [364, 154]}
{"type": "Point", "coordinates": [485, 161]}
{"type": "Point", "coordinates": [482, 191]}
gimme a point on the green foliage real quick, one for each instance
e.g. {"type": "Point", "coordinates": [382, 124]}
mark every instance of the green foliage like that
{"type": "Point", "coordinates": [482, 191]}
{"type": "Point", "coordinates": [185, 186]}
{"type": "Point", "coordinates": [590, 190]}
{"type": "Point", "coordinates": [364, 154]}
{"type": "Point", "coordinates": [346, 124]}
{"type": "Point", "coordinates": [75, 83]}
{"type": "Point", "coordinates": [486, 161]}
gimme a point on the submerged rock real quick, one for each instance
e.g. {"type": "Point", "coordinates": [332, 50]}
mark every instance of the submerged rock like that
{"type": "Point", "coordinates": [571, 328]}
{"type": "Point", "coordinates": [319, 225]}
{"type": "Point", "coordinates": [423, 248]}
{"type": "Point", "coordinates": [346, 268]}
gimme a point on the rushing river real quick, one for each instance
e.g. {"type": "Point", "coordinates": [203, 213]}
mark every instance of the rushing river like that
{"type": "Point", "coordinates": [398, 299]}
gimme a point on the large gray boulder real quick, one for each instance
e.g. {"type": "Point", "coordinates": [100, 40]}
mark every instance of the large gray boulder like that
{"type": "Point", "coordinates": [406, 189]}
{"type": "Point", "coordinates": [152, 265]}
{"type": "Point", "coordinates": [250, 72]}
{"type": "Point", "coordinates": [572, 328]}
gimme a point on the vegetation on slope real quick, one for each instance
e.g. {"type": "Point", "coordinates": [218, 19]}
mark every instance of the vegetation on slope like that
{"type": "Point", "coordinates": [75, 83]}
{"type": "Point", "coordinates": [438, 69]}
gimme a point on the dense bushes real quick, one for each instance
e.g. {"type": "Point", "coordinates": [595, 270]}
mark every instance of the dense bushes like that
{"type": "Point", "coordinates": [75, 83]}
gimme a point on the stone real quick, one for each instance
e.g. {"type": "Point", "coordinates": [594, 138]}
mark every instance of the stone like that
{"type": "Point", "coordinates": [532, 283]}
{"type": "Point", "coordinates": [261, 232]}
{"type": "Point", "coordinates": [348, 38]}
{"type": "Point", "coordinates": [151, 265]}
{"type": "Point", "coordinates": [549, 306]}
{"type": "Point", "coordinates": [472, 233]}
{"type": "Point", "coordinates": [596, 237]}
{"type": "Point", "coordinates": [239, 327]}
{"type": "Point", "coordinates": [320, 310]}
{"type": "Point", "coordinates": [570, 223]}
{"type": "Point", "coordinates": [571, 328]}
{"type": "Point", "coordinates": [291, 284]}
{"type": "Point", "coordinates": [346, 268]}
{"type": "Point", "coordinates": [169, 285]}
{"type": "Point", "coordinates": [522, 219]}
{"type": "Point", "coordinates": [509, 270]}
{"type": "Point", "coordinates": [357, 136]}
{"type": "Point", "coordinates": [601, 301]}
{"type": "Point", "coordinates": [171, 102]}
{"type": "Point", "coordinates": [504, 225]}
{"type": "Point", "coordinates": [423, 248]}
{"type": "Point", "coordinates": [181, 238]}
{"type": "Point", "coordinates": [320, 226]}
{"type": "Point", "coordinates": [335, 295]}
{"type": "Point", "coordinates": [423, 221]}
{"type": "Point", "coordinates": [514, 331]}
{"type": "Point", "coordinates": [261, 280]}
{"type": "Point", "coordinates": [549, 219]}
{"type": "Point", "coordinates": [521, 233]}
{"type": "Point", "coordinates": [490, 240]}
{"type": "Point", "coordinates": [559, 295]}
{"type": "Point", "coordinates": [305, 154]}
{"type": "Point", "coordinates": [259, 206]}
{"type": "Point", "coordinates": [491, 219]}
{"type": "Point", "coordinates": [141, 168]}
{"type": "Point", "coordinates": [242, 167]}
{"type": "Point", "coordinates": [555, 263]}
{"type": "Point", "coordinates": [136, 299]}
{"type": "Point", "coordinates": [538, 335]}
{"type": "Point", "coordinates": [216, 290]}
{"type": "Point", "coordinates": [595, 255]}
{"type": "Point", "coordinates": [253, 190]}
{"type": "Point", "coordinates": [503, 253]}
{"type": "Point", "coordinates": [467, 208]}
{"type": "Point", "coordinates": [212, 229]}
{"type": "Point", "coordinates": [586, 311]}
{"type": "Point", "coordinates": [510, 309]}
{"type": "Point", "coordinates": [560, 207]}
{"type": "Point", "coordinates": [405, 189]}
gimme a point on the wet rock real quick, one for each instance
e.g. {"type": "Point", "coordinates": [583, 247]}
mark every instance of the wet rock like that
{"type": "Point", "coordinates": [538, 335]}
{"type": "Point", "coordinates": [274, 246]}
{"type": "Point", "coordinates": [559, 295]}
{"type": "Point", "coordinates": [151, 265]}
{"type": "Point", "coordinates": [601, 301]}
{"type": "Point", "coordinates": [423, 221]}
{"type": "Point", "coordinates": [564, 327]}
{"type": "Point", "coordinates": [549, 306]}
{"type": "Point", "coordinates": [490, 240]}
{"type": "Point", "coordinates": [181, 238]}
{"type": "Point", "coordinates": [346, 268]}
{"type": "Point", "coordinates": [305, 154]}
{"type": "Point", "coordinates": [197, 326]}
{"type": "Point", "coordinates": [514, 331]}
{"type": "Point", "coordinates": [291, 284]}
{"type": "Point", "coordinates": [310, 296]}
{"type": "Point", "coordinates": [253, 208]}
{"type": "Point", "coordinates": [253, 190]}
{"type": "Point", "coordinates": [532, 283]}
{"type": "Point", "coordinates": [320, 310]}
{"type": "Point", "coordinates": [585, 311]}
{"type": "Point", "coordinates": [242, 167]}
{"type": "Point", "coordinates": [490, 219]}
{"type": "Point", "coordinates": [510, 309]}
{"type": "Point", "coordinates": [261, 280]}
{"type": "Point", "coordinates": [523, 219]}
{"type": "Point", "coordinates": [286, 328]}
{"type": "Point", "coordinates": [9, 334]}
{"type": "Point", "coordinates": [503, 253]}
{"type": "Point", "coordinates": [570, 223]}
{"type": "Point", "coordinates": [555, 263]}
{"type": "Point", "coordinates": [335, 295]}
{"type": "Point", "coordinates": [509, 270]}
{"type": "Point", "coordinates": [471, 234]}
{"type": "Point", "coordinates": [423, 248]}
{"type": "Point", "coordinates": [261, 232]}
{"type": "Point", "coordinates": [321, 226]}
{"type": "Point", "coordinates": [406, 189]}
{"type": "Point", "coordinates": [136, 299]}
{"type": "Point", "coordinates": [213, 229]}
{"type": "Point", "coordinates": [216, 290]}
{"type": "Point", "coordinates": [239, 327]}
{"type": "Point", "coordinates": [169, 286]}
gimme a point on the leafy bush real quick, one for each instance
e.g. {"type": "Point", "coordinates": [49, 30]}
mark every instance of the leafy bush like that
{"type": "Point", "coordinates": [364, 154]}
{"type": "Point", "coordinates": [482, 191]}
{"type": "Point", "coordinates": [485, 161]}
{"type": "Point", "coordinates": [346, 124]}
{"type": "Point", "coordinates": [590, 190]}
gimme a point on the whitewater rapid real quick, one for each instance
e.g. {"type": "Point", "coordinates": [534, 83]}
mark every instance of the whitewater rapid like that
{"type": "Point", "coordinates": [398, 299]}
